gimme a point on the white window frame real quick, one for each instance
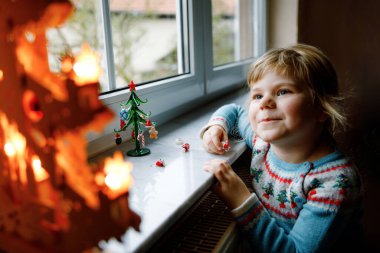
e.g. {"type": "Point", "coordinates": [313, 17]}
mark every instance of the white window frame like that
{"type": "Point", "coordinates": [174, 96]}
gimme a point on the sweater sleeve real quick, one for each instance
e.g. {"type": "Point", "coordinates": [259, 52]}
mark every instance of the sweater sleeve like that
{"type": "Point", "coordinates": [234, 119]}
{"type": "Point", "coordinates": [325, 215]}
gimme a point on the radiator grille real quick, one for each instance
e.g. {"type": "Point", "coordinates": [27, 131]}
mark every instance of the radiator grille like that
{"type": "Point", "coordinates": [206, 224]}
{"type": "Point", "coordinates": [201, 230]}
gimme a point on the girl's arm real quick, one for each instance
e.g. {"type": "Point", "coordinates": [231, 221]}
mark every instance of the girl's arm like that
{"type": "Point", "coordinates": [325, 215]}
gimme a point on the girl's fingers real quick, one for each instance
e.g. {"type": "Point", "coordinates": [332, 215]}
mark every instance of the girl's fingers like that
{"type": "Point", "coordinates": [225, 136]}
{"type": "Point", "coordinates": [211, 143]}
{"type": "Point", "coordinates": [221, 175]}
{"type": "Point", "coordinates": [229, 186]}
{"type": "Point", "coordinates": [219, 168]}
{"type": "Point", "coordinates": [216, 142]}
{"type": "Point", "coordinates": [214, 137]}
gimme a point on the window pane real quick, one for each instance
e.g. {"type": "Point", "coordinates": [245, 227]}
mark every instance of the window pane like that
{"type": "Point", "coordinates": [232, 30]}
{"type": "Point", "coordinates": [147, 41]}
{"type": "Point", "coordinates": [83, 26]}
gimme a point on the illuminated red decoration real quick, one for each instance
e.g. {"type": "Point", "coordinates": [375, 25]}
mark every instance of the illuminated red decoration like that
{"type": "Point", "coordinates": [67, 63]}
{"type": "Point", "coordinates": [86, 67]}
{"type": "Point", "coordinates": [31, 106]}
{"type": "Point", "coordinates": [51, 199]}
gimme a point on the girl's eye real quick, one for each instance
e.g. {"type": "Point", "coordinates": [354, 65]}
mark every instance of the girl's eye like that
{"type": "Point", "coordinates": [282, 92]}
{"type": "Point", "coordinates": [257, 97]}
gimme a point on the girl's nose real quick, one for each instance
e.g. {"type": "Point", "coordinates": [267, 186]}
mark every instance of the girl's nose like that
{"type": "Point", "coordinates": [267, 102]}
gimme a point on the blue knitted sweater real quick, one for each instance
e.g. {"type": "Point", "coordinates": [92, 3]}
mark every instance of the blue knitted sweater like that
{"type": "Point", "coordinates": [304, 207]}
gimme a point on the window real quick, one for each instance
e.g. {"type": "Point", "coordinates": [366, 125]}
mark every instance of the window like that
{"type": "Point", "coordinates": [179, 52]}
{"type": "Point", "coordinates": [147, 40]}
{"type": "Point", "coordinates": [139, 40]}
{"type": "Point", "coordinates": [82, 27]}
{"type": "Point", "coordinates": [232, 31]}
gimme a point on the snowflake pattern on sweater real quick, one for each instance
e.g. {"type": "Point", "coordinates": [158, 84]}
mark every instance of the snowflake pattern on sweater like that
{"type": "Point", "coordinates": [293, 206]}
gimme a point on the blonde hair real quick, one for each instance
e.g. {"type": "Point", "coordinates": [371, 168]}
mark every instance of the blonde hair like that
{"type": "Point", "coordinates": [307, 65]}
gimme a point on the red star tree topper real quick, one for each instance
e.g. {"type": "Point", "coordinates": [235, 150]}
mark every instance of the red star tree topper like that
{"type": "Point", "coordinates": [132, 86]}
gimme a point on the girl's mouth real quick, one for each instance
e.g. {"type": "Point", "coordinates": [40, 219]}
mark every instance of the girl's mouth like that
{"type": "Point", "coordinates": [267, 120]}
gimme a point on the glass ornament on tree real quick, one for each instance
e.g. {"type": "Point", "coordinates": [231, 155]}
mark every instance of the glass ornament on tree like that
{"type": "Point", "coordinates": [131, 115]}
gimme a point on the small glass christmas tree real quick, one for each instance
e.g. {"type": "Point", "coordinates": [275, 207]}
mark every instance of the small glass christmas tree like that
{"type": "Point", "coordinates": [133, 116]}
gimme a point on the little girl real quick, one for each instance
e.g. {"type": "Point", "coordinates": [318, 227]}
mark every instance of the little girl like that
{"type": "Point", "coordinates": [306, 194]}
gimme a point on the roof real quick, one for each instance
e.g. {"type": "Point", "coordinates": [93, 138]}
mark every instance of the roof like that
{"type": "Point", "coordinates": [162, 7]}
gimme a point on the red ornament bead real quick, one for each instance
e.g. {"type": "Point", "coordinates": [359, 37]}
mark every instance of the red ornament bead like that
{"type": "Point", "coordinates": [160, 163]}
{"type": "Point", "coordinates": [226, 145]}
{"type": "Point", "coordinates": [185, 147]}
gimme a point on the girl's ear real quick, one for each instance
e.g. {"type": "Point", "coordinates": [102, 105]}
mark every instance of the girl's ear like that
{"type": "Point", "coordinates": [322, 116]}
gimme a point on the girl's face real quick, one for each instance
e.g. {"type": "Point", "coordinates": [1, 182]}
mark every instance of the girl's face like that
{"type": "Point", "coordinates": [282, 112]}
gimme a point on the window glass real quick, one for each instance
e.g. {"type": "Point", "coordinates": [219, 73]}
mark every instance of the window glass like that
{"type": "Point", "coordinates": [83, 26]}
{"type": "Point", "coordinates": [232, 30]}
{"type": "Point", "coordinates": [147, 40]}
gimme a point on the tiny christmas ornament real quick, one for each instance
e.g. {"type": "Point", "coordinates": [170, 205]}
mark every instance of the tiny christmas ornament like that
{"type": "Point", "coordinates": [141, 138]}
{"type": "Point", "coordinates": [118, 139]}
{"type": "Point", "coordinates": [153, 134]}
{"type": "Point", "coordinates": [178, 141]}
{"type": "Point", "coordinates": [123, 114]}
{"type": "Point", "coordinates": [226, 145]}
{"type": "Point", "coordinates": [160, 163]}
{"type": "Point", "coordinates": [148, 123]}
{"type": "Point", "coordinates": [185, 147]}
{"type": "Point", "coordinates": [131, 115]}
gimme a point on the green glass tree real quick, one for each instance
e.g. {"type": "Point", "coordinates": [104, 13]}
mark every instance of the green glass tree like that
{"type": "Point", "coordinates": [133, 117]}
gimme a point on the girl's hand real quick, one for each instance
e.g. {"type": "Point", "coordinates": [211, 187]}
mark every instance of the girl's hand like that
{"type": "Point", "coordinates": [230, 188]}
{"type": "Point", "coordinates": [212, 139]}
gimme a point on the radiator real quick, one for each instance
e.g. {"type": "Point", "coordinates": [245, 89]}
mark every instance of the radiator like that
{"type": "Point", "coordinates": [208, 225]}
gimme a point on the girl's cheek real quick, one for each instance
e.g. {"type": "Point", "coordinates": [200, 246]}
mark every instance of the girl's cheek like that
{"type": "Point", "coordinates": [252, 115]}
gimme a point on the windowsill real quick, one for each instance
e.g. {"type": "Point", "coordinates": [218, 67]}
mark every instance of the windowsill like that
{"type": "Point", "coordinates": [161, 195]}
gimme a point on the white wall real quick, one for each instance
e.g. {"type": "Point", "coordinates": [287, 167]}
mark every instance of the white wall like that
{"type": "Point", "coordinates": [282, 23]}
